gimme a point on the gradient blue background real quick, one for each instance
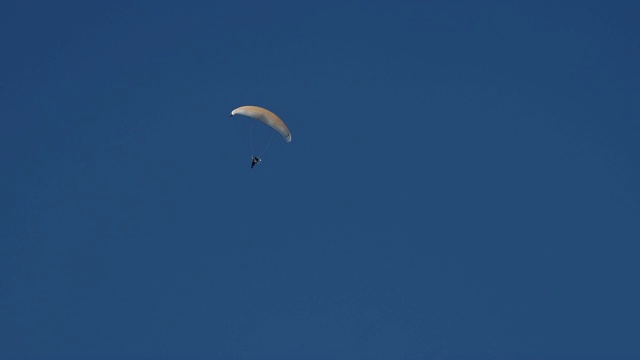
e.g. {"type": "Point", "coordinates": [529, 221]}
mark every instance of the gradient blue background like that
{"type": "Point", "coordinates": [463, 180]}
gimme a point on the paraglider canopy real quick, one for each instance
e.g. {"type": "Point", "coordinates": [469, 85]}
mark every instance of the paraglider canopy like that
{"type": "Point", "coordinates": [265, 116]}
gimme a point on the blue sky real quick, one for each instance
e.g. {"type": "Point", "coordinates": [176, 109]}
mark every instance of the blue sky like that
{"type": "Point", "coordinates": [462, 180]}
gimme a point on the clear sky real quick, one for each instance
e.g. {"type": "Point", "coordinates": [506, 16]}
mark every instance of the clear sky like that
{"type": "Point", "coordinates": [463, 180]}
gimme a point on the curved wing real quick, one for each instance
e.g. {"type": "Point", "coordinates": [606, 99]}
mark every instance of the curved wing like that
{"type": "Point", "coordinates": [267, 117]}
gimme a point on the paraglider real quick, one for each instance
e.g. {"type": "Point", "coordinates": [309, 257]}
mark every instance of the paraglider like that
{"type": "Point", "coordinates": [268, 118]}
{"type": "Point", "coordinates": [254, 161]}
